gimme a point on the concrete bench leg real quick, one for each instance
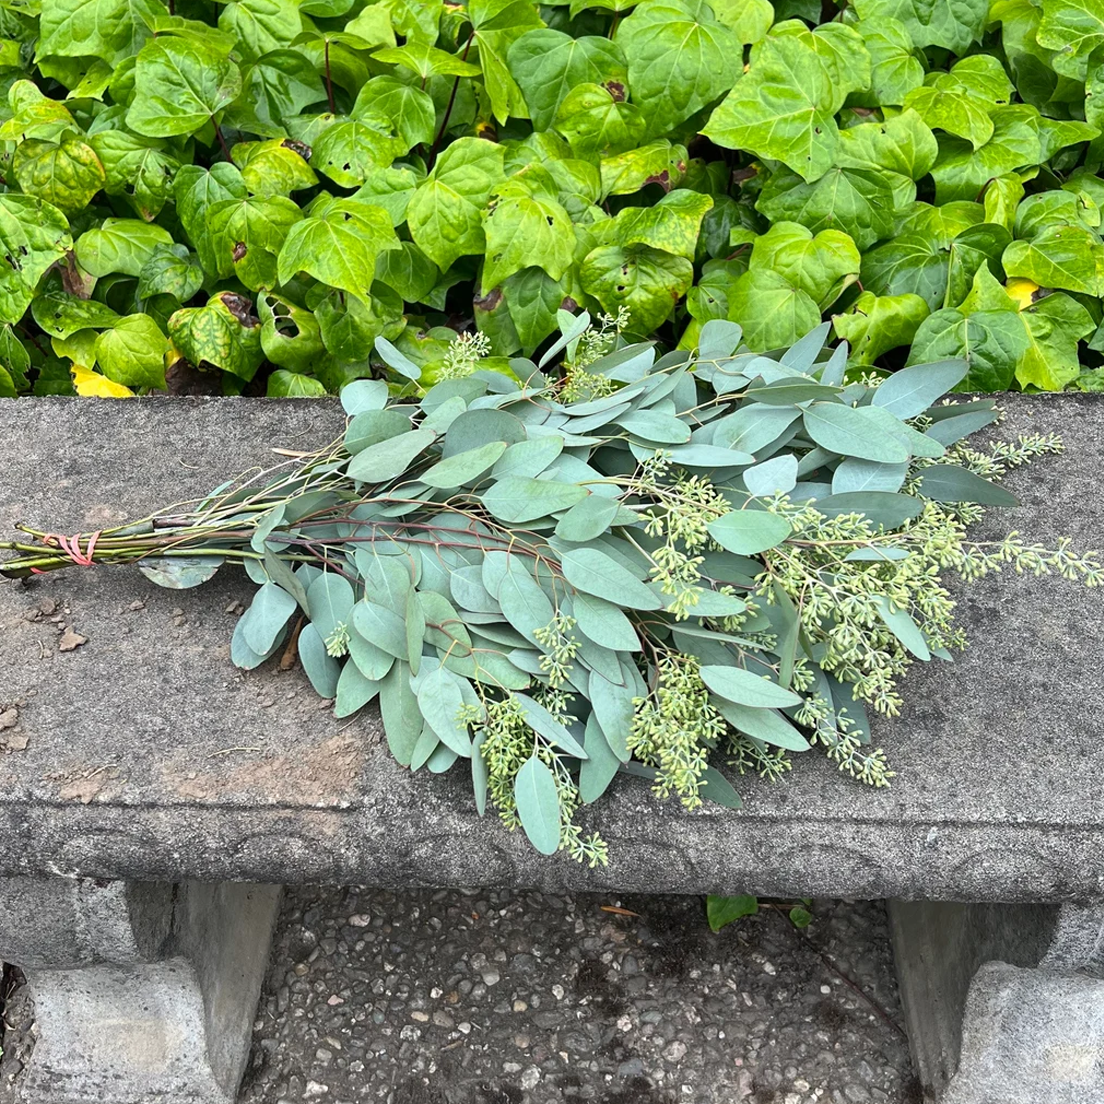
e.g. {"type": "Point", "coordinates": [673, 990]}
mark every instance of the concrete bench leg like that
{"type": "Point", "coordinates": [1004, 1003]}
{"type": "Point", "coordinates": [142, 992]}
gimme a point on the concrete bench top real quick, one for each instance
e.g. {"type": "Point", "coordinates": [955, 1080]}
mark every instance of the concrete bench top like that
{"type": "Point", "coordinates": [143, 754]}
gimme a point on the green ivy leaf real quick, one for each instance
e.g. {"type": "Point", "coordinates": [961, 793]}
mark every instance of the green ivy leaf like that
{"type": "Point", "coordinates": [1067, 257]}
{"type": "Point", "coordinates": [290, 335]}
{"type": "Point", "coordinates": [1074, 28]}
{"type": "Point", "coordinates": [66, 174]}
{"type": "Point", "coordinates": [409, 110]}
{"type": "Point", "coordinates": [782, 108]}
{"type": "Point", "coordinates": [952, 24]}
{"type": "Point", "coordinates": [771, 310]}
{"type": "Point", "coordinates": [672, 225]}
{"type": "Point", "coordinates": [33, 236]}
{"type": "Point", "coordinates": [496, 26]}
{"type": "Point", "coordinates": [521, 229]}
{"type": "Point", "coordinates": [180, 85]}
{"type": "Point", "coordinates": [894, 68]}
{"type": "Point", "coordinates": [350, 150]}
{"type": "Point", "coordinates": [248, 235]}
{"type": "Point", "coordinates": [596, 119]}
{"type": "Point", "coordinates": [679, 60]}
{"type": "Point", "coordinates": [224, 333]}
{"type": "Point", "coordinates": [171, 270]}
{"type": "Point", "coordinates": [283, 384]}
{"type": "Point", "coordinates": [548, 64]}
{"type": "Point", "coordinates": [445, 213]}
{"type": "Point", "coordinates": [260, 26]}
{"type": "Point", "coordinates": [339, 247]}
{"type": "Point", "coordinates": [133, 352]}
{"type": "Point", "coordinates": [108, 29]}
{"type": "Point", "coordinates": [273, 168]}
{"type": "Point", "coordinates": [821, 266]}
{"type": "Point", "coordinates": [139, 168]}
{"type": "Point", "coordinates": [196, 190]}
{"type": "Point", "coordinates": [874, 324]}
{"type": "Point", "coordinates": [276, 87]}
{"type": "Point", "coordinates": [647, 281]}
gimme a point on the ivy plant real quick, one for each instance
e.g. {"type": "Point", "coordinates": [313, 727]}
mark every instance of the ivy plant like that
{"type": "Point", "coordinates": [261, 188]}
{"type": "Point", "coordinates": [668, 566]}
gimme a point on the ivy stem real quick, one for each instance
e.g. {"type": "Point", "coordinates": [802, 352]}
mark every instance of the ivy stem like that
{"type": "Point", "coordinates": [451, 103]}
{"type": "Point", "coordinates": [329, 81]}
{"type": "Point", "coordinates": [222, 140]}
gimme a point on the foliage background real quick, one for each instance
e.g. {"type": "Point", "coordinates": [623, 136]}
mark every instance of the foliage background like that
{"type": "Point", "coordinates": [265, 187]}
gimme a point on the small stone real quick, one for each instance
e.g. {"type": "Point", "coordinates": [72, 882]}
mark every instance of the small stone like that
{"type": "Point", "coordinates": [9, 718]}
{"type": "Point", "coordinates": [136, 605]}
{"type": "Point", "coordinates": [675, 1052]}
{"type": "Point", "coordinates": [521, 1042]}
{"type": "Point", "coordinates": [769, 968]}
{"type": "Point", "coordinates": [48, 606]}
{"type": "Point", "coordinates": [624, 1023]}
{"type": "Point", "coordinates": [464, 1028]}
{"type": "Point", "coordinates": [316, 1088]}
{"type": "Point", "coordinates": [558, 992]}
{"type": "Point", "coordinates": [300, 969]}
{"type": "Point", "coordinates": [334, 1001]}
{"type": "Point", "coordinates": [634, 1067]}
{"type": "Point", "coordinates": [520, 1006]}
{"type": "Point", "coordinates": [435, 993]}
{"type": "Point", "coordinates": [177, 611]}
{"type": "Point", "coordinates": [70, 641]}
{"type": "Point", "coordinates": [491, 977]}
{"type": "Point", "coordinates": [530, 1079]}
{"type": "Point", "coordinates": [359, 920]}
{"type": "Point", "coordinates": [420, 1017]}
{"type": "Point", "coordinates": [443, 1019]}
{"type": "Point", "coordinates": [324, 1056]}
{"type": "Point", "coordinates": [16, 743]}
{"type": "Point", "coordinates": [826, 989]}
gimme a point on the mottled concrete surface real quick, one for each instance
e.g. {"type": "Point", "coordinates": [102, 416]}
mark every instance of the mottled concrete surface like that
{"type": "Point", "coordinates": [477, 997]}
{"type": "Point", "coordinates": [144, 754]}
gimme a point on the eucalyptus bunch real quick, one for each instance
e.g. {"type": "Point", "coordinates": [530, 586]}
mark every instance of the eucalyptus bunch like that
{"type": "Point", "coordinates": [646, 564]}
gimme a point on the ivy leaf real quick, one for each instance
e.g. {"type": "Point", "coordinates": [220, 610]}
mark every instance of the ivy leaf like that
{"type": "Point", "coordinates": [596, 119]}
{"type": "Point", "coordinates": [290, 335]}
{"type": "Point", "coordinates": [952, 24]}
{"type": "Point", "coordinates": [771, 310]}
{"type": "Point", "coordinates": [894, 68]}
{"type": "Point", "coordinates": [1067, 257]}
{"type": "Point", "coordinates": [139, 168]}
{"type": "Point", "coordinates": [548, 64]}
{"type": "Point", "coordinates": [1073, 27]}
{"type": "Point", "coordinates": [521, 229]}
{"type": "Point", "coordinates": [133, 352]}
{"type": "Point", "coordinates": [272, 168]}
{"type": "Point", "coordinates": [672, 225]}
{"type": "Point", "coordinates": [33, 235]}
{"type": "Point", "coordinates": [901, 144]}
{"type": "Point", "coordinates": [171, 270]}
{"type": "Point", "coordinates": [408, 270]}
{"type": "Point", "coordinates": [659, 162]}
{"type": "Point", "coordinates": [445, 213]}
{"type": "Point", "coordinates": [66, 174]}
{"type": "Point", "coordinates": [409, 110]}
{"type": "Point", "coordinates": [679, 60]}
{"type": "Point", "coordinates": [248, 235]}
{"type": "Point", "coordinates": [820, 266]}
{"type": "Point", "coordinates": [276, 87]}
{"type": "Point", "coordinates": [911, 264]}
{"type": "Point", "coordinates": [874, 324]}
{"type": "Point", "coordinates": [782, 108]}
{"type": "Point", "coordinates": [960, 172]}
{"type": "Point", "coordinates": [180, 85]}
{"type": "Point", "coordinates": [647, 281]}
{"type": "Point", "coordinates": [196, 190]}
{"type": "Point", "coordinates": [62, 315]}
{"type": "Point", "coordinates": [352, 149]}
{"type": "Point", "coordinates": [108, 29]}
{"type": "Point", "coordinates": [426, 61]}
{"type": "Point", "coordinates": [224, 333]}
{"type": "Point", "coordinates": [340, 247]}
{"type": "Point", "coordinates": [953, 110]}
{"type": "Point", "coordinates": [260, 26]}
{"type": "Point", "coordinates": [860, 202]}
{"type": "Point", "coordinates": [496, 25]}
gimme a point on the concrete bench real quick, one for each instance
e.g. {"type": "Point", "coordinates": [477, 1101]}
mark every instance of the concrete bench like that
{"type": "Point", "coordinates": [153, 798]}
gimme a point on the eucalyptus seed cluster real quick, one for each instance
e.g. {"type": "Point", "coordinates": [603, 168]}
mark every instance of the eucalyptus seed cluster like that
{"type": "Point", "coordinates": [559, 649]}
{"type": "Point", "coordinates": [463, 355]}
{"type": "Point", "coordinates": [579, 385]}
{"type": "Point", "coordinates": [676, 727]}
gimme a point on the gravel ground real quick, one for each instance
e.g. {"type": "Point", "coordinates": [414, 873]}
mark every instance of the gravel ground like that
{"type": "Point", "coordinates": [485, 997]}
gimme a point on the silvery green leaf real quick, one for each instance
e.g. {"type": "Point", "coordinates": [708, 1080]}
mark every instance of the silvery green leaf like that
{"type": "Point", "coordinates": [266, 523]}
{"type": "Point", "coordinates": [268, 613]}
{"type": "Point", "coordinates": [588, 519]}
{"type": "Point", "coordinates": [950, 430]}
{"type": "Point", "coordinates": [362, 395]}
{"type": "Point", "coordinates": [775, 476]}
{"type": "Point", "coordinates": [802, 355]}
{"type": "Point", "coordinates": [593, 572]}
{"type": "Point", "coordinates": [528, 458]}
{"type": "Point", "coordinates": [354, 691]}
{"type": "Point", "coordinates": [538, 805]}
{"type": "Point", "coordinates": [953, 483]}
{"type": "Point", "coordinates": [402, 719]}
{"type": "Point", "coordinates": [747, 532]}
{"type": "Point", "coordinates": [518, 498]}
{"type": "Point", "coordinates": [479, 773]}
{"type": "Point", "coordinates": [387, 579]}
{"type": "Point", "coordinates": [600, 765]}
{"type": "Point", "coordinates": [426, 744]}
{"type": "Point", "coordinates": [280, 572]}
{"type": "Point", "coordinates": [440, 699]}
{"type": "Point", "coordinates": [581, 424]}
{"type": "Point", "coordinates": [719, 790]}
{"type": "Point", "coordinates": [791, 390]}
{"type": "Point", "coordinates": [415, 630]}
{"type": "Point", "coordinates": [711, 603]}
{"type": "Point", "coordinates": [571, 332]}
{"type": "Point", "coordinates": [763, 724]}
{"type": "Point", "coordinates": [243, 656]}
{"type": "Point", "coordinates": [464, 467]}
{"type": "Point", "coordinates": [400, 362]}
{"type": "Point", "coordinates": [719, 338]}
{"type": "Point", "coordinates": [709, 456]}
{"type": "Point", "coordinates": [882, 507]}
{"type": "Point", "coordinates": [854, 474]}
{"type": "Point", "coordinates": [322, 669]}
{"type": "Point", "coordinates": [737, 685]}
{"type": "Point", "coordinates": [626, 365]}
{"type": "Point", "coordinates": [441, 417]}
{"type": "Point", "coordinates": [917, 443]}
{"type": "Point", "coordinates": [381, 626]}
{"type": "Point", "coordinates": [651, 425]}
{"type": "Point", "coordinates": [468, 591]}
{"type": "Point", "coordinates": [523, 602]}
{"type": "Point", "coordinates": [372, 662]}
{"type": "Point", "coordinates": [476, 427]}
{"type": "Point", "coordinates": [902, 626]}
{"type": "Point", "coordinates": [852, 431]}
{"type": "Point", "coordinates": [181, 572]}
{"type": "Point", "coordinates": [540, 720]}
{"type": "Point", "coordinates": [752, 427]}
{"type": "Point", "coordinates": [330, 598]}
{"type": "Point", "coordinates": [445, 629]}
{"type": "Point", "coordinates": [836, 366]}
{"type": "Point", "coordinates": [384, 461]}
{"type": "Point", "coordinates": [441, 759]}
{"type": "Point", "coordinates": [910, 391]}
{"type": "Point", "coordinates": [369, 427]}
{"type": "Point", "coordinates": [605, 623]}
{"type": "Point", "coordinates": [613, 706]}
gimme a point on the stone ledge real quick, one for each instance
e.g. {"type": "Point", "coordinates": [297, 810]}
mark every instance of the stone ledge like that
{"type": "Point", "coordinates": [150, 757]}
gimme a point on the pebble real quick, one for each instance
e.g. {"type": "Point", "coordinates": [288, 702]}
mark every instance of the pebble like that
{"type": "Point", "coordinates": [375, 995]}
